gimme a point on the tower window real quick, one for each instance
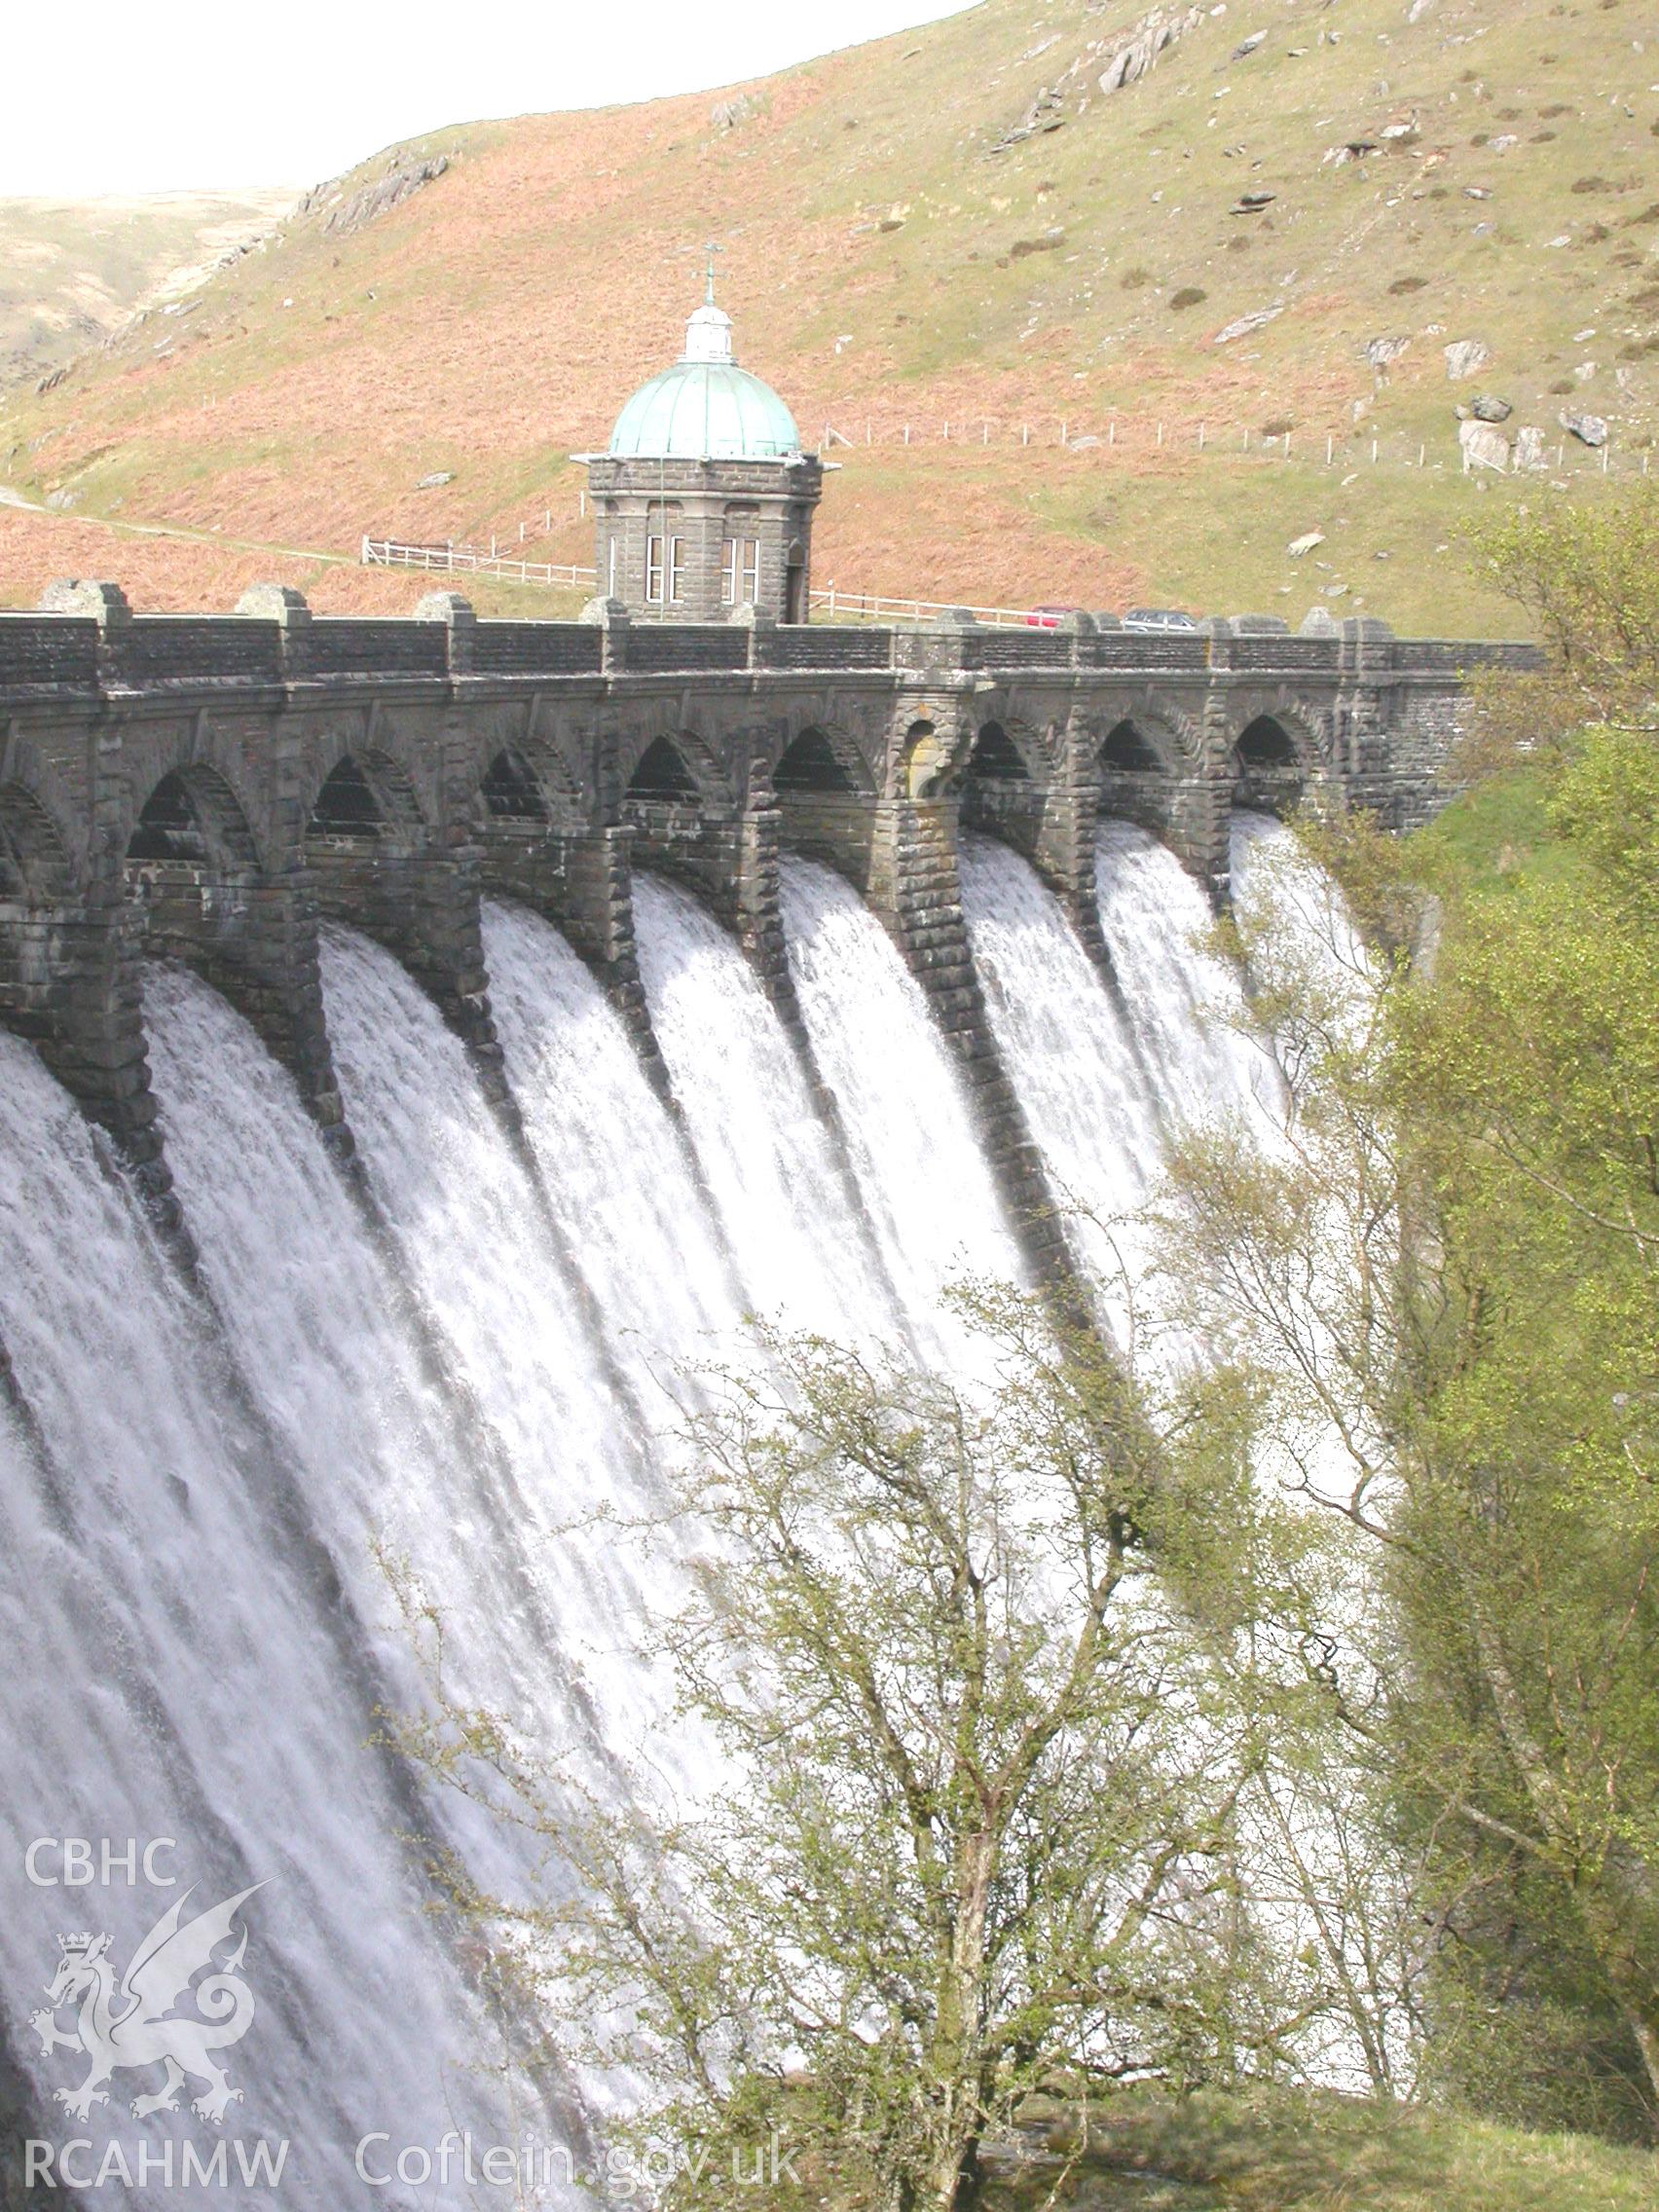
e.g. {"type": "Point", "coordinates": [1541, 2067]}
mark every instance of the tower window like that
{"type": "Point", "coordinates": [740, 573]}
{"type": "Point", "coordinates": [611, 585]}
{"type": "Point", "coordinates": [664, 566]}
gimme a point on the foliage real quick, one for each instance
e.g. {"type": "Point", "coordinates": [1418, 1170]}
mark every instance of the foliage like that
{"type": "Point", "coordinates": [976, 1769]}
{"type": "Point", "coordinates": [1588, 578]}
{"type": "Point", "coordinates": [1445, 1286]}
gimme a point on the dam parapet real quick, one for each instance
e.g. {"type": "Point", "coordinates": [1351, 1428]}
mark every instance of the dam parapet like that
{"type": "Point", "coordinates": [211, 787]}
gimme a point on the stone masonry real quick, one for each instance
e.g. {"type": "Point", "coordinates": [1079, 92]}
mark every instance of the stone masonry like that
{"type": "Point", "coordinates": [212, 786]}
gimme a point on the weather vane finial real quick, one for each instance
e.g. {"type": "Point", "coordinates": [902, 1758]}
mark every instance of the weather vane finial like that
{"type": "Point", "coordinates": [711, 249]}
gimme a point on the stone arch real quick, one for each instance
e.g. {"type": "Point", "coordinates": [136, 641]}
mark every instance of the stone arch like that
{"type": "Point", "coordinates": [663, 775]}
{"type": "Point", "coordinates": [824, 761]}
{"type": "Point", "coordinates": [1135, 746]}
{"type": "Point", "coordinates": [1266, 743]}
{"type": "Point", "coordinates": [364, 802]}
{"type": "Point", "coordinates": [677, 756]}
{"type": "Point", "coordinates": [1137, 766]}
{"type": "Point", "coordinates": [1005, 784]}
{"type": "Point", "coordinates": [1000, 756]}
{"type": "Point", "coordinates": [1272, 761]}
{"type": "Point", "coordinates": [34, 862]}
{"type": "Point", "coordinates": [509, 791]}
{"type": "Point", "coordinates": [192, 818]}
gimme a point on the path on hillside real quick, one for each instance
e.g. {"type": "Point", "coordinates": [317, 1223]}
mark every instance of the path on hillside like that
{"type": "Point", "coordinates": [10, 498]}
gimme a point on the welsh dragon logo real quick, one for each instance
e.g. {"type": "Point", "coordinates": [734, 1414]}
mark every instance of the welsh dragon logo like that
{"type": "Point", "coordinates": [134, 2028]}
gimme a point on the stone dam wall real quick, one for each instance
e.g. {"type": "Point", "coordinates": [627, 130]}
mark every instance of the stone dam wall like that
{"type": "Point", "coordinates": [212, 787]}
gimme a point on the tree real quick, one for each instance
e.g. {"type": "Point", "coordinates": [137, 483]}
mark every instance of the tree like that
{"type": "Point", "coordinates": [972, 1830]}
{"type": "Point", "coordinates": [1444, 1286]}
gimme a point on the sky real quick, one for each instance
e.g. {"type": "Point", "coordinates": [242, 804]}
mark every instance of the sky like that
{"type": "Point", "coordinates": [120, 97]}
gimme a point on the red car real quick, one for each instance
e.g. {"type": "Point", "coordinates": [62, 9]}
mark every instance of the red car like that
{"type": "Point", "coordinates": [1049, 617]}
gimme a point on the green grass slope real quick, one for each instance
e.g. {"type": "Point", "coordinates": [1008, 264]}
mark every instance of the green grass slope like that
{"type": "Point", "coordinates": [1285, 2153]}
{"type": "Point", "coordinates": [894, 256]}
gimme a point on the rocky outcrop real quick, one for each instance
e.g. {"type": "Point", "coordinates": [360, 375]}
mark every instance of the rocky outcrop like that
{"type": "Point", "coordinates": [404, 176]}
{"type": "Point", "coordinates": [1155, 34]}
{"type": "Point", "coordinates": [1465, 357]}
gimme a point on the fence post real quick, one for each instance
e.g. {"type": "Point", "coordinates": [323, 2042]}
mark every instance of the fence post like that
{"type": "Point", "coordinates": [1025, 433]}
{"type": "Point", "coordinates": [1604, 452]}
{"type": "Point", "coordinates": [1287, 445]}
{"type": "Point", "coordinates": [1422, 454]}
{"type": "Point", "coordinates": [1330, 448]}
{"type": "Point", "coordinates": [1161, 433]}
{"type": "Point", "coordinates": [984, 433]}
{"type": "Point", "coordinates": [907, 433]}
{"type": "Point", "coordinates": [1373, 451]}
{"type": "Point", "coordinates": [1063, 432]}
{"type": "Point", "coordinates": [1201, 438]}
{"type": "Point", "coordinates": [548, 517]}
{"type": "Point", "coordinates": [363, 561]}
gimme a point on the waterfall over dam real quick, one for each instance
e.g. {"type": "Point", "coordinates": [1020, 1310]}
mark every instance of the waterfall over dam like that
{"type": "Point", "coordinates": [424, 1344]}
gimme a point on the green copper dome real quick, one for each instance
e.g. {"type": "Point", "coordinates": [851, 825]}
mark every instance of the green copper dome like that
{"type": "Point", "coordinates": [706, 408]}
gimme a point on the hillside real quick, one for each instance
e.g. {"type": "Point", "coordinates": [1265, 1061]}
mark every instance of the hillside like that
{"type": "Point", "coordinates": [956, 225]}
{"type": "Point", "coordinates": [71, 272]}
{"type": "Point", "coordinates": [1281, 2152]}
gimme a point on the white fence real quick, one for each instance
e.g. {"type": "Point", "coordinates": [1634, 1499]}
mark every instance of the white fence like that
{"type": "Point", "coordinates": [472, 559]}
{"type": "Point", "coordinates": [840, 605]}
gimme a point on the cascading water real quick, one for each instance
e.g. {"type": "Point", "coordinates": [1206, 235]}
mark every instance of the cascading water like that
{"type": "Point", "coordinates": [926, 1187]}
{"type": "Point", "coordinates": [191, 1674]}
{"type": "Point", "coordinates": [462, 1368]}
{"type": "Point", "coordinates": [800, 1247]}
{"type": "Point", "coordinates": [617, 1174]}
{"type": "Point", "coordinates": [1088, 1093]}
{"type": "Point", "coordinates": [558, 1602]}
{"type": "Point", "coordinates": [1187, 1005]}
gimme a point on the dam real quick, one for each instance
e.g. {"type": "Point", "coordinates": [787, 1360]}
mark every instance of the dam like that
{"type": "Point", "coordinates": [422, 1041]}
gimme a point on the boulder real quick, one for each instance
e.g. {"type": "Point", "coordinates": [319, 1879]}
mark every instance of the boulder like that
{"type": "Point", "coordinates": [1383, 353]}
{"type": "Point", "coordinates": [438, 476]}
{"type": "Point", "coordinates": [1483, 446]}
{"type": "Point", "coordinates": [1588, 429]}
{"type": "Point", "coordinates": [1465, 357]}
{"type": "Point", "coordinates": [1244, 325]}
{"type": "Point", "coordinates": [1530, 457]}
{"type": "Point", "coordinates": [1486, 408]}
{"type": "Point", "coordinates": [1247, 46]}
{"type": "Point", "coordinates": [1304, 543]}
{"type": "Point", "coordinates": [727, 114]}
